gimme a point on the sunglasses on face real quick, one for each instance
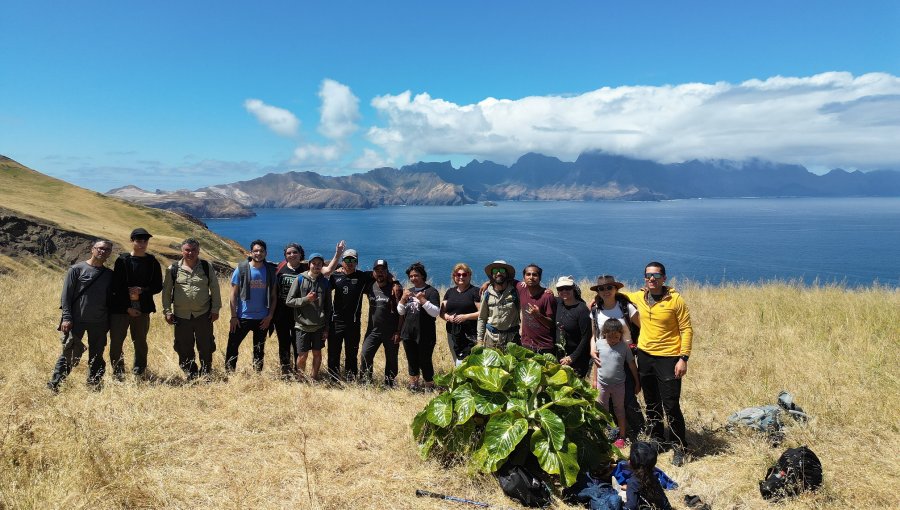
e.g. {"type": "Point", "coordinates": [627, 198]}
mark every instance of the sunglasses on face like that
{"type": "Point", "coordinates": [498, 270]}
{"type": "Point", "coordinates": [566, 288]}
{"type": "Point", "coordinates": [350, 260]}
{"type": "Point", "coordinates": [605, 287]}
{"type": "Point", "coordinates": [461, 275]}
{"type": "Point", "coordinates": [655, 276]}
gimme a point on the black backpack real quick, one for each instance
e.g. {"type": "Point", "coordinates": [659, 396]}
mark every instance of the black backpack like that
{"type": "Point", "coordinates": [520, 484]}
{"type": "Point", "coordinates": [797, 470]}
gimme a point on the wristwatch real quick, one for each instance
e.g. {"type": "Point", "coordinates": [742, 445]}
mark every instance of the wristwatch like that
{"type": "Point", "coordinates": [684, 357]}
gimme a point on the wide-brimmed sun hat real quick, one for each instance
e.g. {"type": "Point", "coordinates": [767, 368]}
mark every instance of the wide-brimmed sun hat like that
{"type": "Point", "coordinates": [510, 271]}
{"type": "Point", "coordinates": [607, 279]}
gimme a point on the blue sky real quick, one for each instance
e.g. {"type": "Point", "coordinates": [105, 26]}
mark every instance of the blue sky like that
{"type": "Point", "coordinates": [187, 94]}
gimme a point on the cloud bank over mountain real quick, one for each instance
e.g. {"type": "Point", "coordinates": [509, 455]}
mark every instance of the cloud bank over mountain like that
{"type": "Point", "coordinates": [827, 120]}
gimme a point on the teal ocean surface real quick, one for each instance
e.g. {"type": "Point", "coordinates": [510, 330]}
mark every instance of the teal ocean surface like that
{"type": "Point", "coordinates": [854, 241]}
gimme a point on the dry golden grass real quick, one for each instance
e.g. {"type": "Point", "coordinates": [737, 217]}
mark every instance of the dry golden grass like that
{"type": "Point", "coordinates": [256, 442]}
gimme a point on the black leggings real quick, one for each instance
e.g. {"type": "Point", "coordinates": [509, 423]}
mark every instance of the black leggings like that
{"type": "Point", "coordinates": [418, 357]}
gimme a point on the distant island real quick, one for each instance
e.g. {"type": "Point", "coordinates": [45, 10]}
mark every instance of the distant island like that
{"type": "Point", "coordinates": [593, 176]}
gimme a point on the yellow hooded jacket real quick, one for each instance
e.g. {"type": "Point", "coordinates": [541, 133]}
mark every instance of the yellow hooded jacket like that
{"type": "Point", "coordinates": [666, 326]}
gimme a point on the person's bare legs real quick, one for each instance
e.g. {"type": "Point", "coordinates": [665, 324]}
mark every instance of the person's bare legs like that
{"type": "Point", "coordinates": [301, 365]}
{"type": "Point", "coordinates": [316, 364]}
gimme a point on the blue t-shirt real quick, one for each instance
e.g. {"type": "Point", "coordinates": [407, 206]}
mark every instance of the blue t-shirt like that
{"type": "Point", "coordinates": [255, 307]}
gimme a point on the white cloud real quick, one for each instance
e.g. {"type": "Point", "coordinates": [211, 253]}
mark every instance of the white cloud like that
{"type": "Point", "coordinates": [370, 159]}
{"type": "Point", "coordinates": [317, 154]}
{"type": "Point", "coordinates": [279, 120]}
{"type": "Point", "coordinates": [339, 112]}
{"type": "Point", "coordinates": [826, 120]}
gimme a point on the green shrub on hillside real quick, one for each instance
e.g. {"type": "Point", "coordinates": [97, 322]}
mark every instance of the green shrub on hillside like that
{"type": "Point", "coordinates": [496, 401]}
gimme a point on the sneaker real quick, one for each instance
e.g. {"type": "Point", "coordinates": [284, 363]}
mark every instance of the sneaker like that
{"type": "Point", "coordinates": [52, 386]}
{"type": "Point", "coordinates": [620, 443]}
{"type": "Point", "coordinates": [679, 456]}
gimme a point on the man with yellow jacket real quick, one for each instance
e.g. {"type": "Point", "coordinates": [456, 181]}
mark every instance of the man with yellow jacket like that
{"type": "Point", "coordinates": [663, 350]}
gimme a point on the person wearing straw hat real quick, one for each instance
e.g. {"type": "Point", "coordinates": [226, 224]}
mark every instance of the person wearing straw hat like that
{"type": "Point", "coordinates": [499, 317]}
{"type": "Point", "coordinates": [609, 303]}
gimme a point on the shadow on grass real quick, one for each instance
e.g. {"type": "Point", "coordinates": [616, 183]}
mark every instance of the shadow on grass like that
{"type": "Point", "coordinates": [708, 441]}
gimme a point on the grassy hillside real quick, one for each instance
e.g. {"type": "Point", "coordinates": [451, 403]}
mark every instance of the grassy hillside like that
{"type": "Point", "coordinates": [33, 194]}
{"type": "Point", "coordinates": [253, 441]}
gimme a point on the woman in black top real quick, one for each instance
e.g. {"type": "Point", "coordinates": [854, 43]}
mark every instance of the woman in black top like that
{"type": "Point", "coordinates": [460, 309]}
{"type": "Point", "coordinates": [420, 304]}
{"type": "Point", "coordinates": [573, 326]}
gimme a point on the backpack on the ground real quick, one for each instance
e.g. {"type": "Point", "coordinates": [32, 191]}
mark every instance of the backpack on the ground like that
{"type": "Point", "coordinates": [518, 481]}
{"type": "Point", "coordinates": [797, 470]}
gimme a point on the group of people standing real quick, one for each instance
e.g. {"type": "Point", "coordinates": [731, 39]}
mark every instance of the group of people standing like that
{"type": "Point", "coordinates": [629, 342]}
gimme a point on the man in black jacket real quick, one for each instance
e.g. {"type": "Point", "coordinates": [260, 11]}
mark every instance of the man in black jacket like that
{"type": "Point", "coordinates": [137, 276]}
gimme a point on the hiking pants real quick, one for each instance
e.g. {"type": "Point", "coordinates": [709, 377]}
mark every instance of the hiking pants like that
{"type": "Point", "coordinates": [188, 332]}
{"type": "Point", "coordinates": [237, 336]}
{"type": "Point", "coordinates": [418, 357]}
{"type": "Point", "coordinates": [73, 349]}
{"type": "Point", "coordinates": [662, 392]}
{"type": "Point", "coordinates": [343, 334]}
{"type": "Point", "coordinates": [287, 350]}
{"type": "Point", "coordinates": [119, 324]}
{"type": "Point", "coordinates": [370, 347]}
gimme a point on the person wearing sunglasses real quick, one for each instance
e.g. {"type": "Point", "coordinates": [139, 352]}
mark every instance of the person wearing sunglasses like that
{"type": "Point", "coordinates": [609, 303]}
{"type": "Point", "coordinates": [499, 316]}
{"type": "Point", "coordinates": [663, 350]}
{"type": "Point", "coordinates": [460, 309]}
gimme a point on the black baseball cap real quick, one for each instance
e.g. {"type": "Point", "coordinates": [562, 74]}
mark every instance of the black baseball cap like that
{"type": "Point", "coordinates": [139, 233]}
{"type": "Point", "coordinates": [380, 262]}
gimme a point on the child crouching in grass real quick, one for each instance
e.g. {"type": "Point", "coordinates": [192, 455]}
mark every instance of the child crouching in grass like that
{"type": "Point", "coordinates": [611, 355]}
{"type": "Point", "coordinates": [643, 490]}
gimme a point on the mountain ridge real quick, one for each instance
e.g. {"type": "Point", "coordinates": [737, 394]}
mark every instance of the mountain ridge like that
{"type": "Point", "coordinates": [592, 176]}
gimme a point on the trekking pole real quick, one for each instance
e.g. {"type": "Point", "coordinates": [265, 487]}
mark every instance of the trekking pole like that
{"type": "Point", "coordinates": [421, 493]}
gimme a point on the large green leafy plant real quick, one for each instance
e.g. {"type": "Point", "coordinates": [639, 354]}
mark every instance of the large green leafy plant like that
{"type": "Point", "coordinates": [496, 401]}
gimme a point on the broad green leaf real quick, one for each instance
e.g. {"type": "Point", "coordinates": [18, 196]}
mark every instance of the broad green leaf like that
{"type": "Point", "coordinates": [568, 402]}
{"type": "Point", "coordinates": [417, 424]}
{"type": "Point", "coordinates": [572, 417]}
{"type": "Point", "coordinates": [517, 405]}
{"type": "Point", "coordinates": [463, 403]}
{"type": "Point", "coordinates": [527, 374]}
{"type": "Point", "coordinates": [568, 461]}
{"type": "Point", "coordinates": [553, 426]}
{"type": "Point", "coordinates": [426, 445]}
{"type": "Point", "coordinates": [501, 435]}
{"type": "Point", "coordinates": [486, 358]}
{"type": "Point", "coordinates": [519, 352]}
{"type": "Point", "coordinates": [488, 378]}
{"type": "Point", "coordinates": [509, 362]}
{"type": "Point", "coordinates": [488, 403]}
{"type": "Point", "coordinates": [540, 447]}
{"type": "Point", "coordinates": [443, 380]}
{"type": "Point", "coordinates": [440, 410]}
{"type": "Point", "coordinates": [558, 393]}
{"type": "Point", "coordinates": [560, 378]}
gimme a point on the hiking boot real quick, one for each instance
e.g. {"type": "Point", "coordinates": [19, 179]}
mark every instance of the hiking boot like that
{"type": "Point", "coordinates": [53, 387]}
{"type": "Point", "coordinates": [679, 456]}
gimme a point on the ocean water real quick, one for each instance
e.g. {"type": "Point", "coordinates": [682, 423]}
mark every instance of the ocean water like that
{"type": "Point", "coordinates": [853, 241]}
